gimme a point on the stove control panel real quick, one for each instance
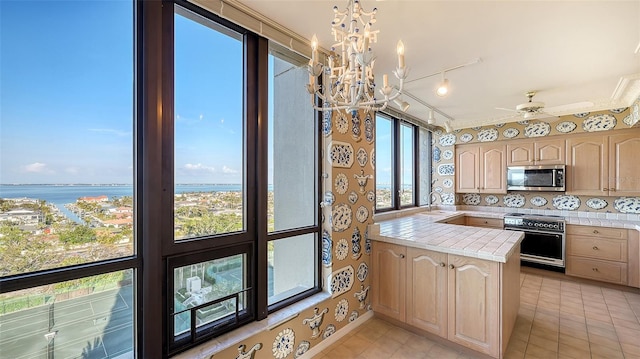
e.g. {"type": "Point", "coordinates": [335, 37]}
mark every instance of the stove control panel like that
{"type": "Point", "coordinates": [534, 224]}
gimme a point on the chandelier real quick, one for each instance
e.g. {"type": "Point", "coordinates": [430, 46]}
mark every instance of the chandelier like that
{"type": "Point", "coordinates": [348, 82]}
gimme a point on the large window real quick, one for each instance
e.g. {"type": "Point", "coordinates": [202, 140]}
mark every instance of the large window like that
{"type": "Point", "coordinates": [245, 222]}
{"type": "Point", "coordinates": [68, 262]}
{"type": "Point", "coordinates": [397, 165]}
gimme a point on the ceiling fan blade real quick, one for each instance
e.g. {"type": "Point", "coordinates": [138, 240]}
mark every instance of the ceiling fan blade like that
{"type": "Point", "coordinates": [506, 109]}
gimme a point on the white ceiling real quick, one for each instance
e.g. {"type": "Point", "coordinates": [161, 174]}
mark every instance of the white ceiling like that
{"type": "Point", "coordinates": [567, 51]}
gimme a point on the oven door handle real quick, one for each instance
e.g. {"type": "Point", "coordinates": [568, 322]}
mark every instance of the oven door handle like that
{"type": "Point", "coordinates": [558, 235]}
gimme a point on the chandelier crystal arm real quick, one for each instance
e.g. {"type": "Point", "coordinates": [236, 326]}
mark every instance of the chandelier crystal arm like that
{"type": "Point", "coordinates": [348, 77]}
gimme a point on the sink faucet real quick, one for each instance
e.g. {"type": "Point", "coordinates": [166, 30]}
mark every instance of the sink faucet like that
{"type": "Point", "coordinates": [431, 198]}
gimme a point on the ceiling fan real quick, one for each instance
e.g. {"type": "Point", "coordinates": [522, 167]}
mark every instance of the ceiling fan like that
{"type": "Point", "coordinates": [531, 110]}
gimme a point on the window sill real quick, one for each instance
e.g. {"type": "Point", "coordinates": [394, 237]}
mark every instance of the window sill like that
{"type": "Point", "coordinates": [216, 345]}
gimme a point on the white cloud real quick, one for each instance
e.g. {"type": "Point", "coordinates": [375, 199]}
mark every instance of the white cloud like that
{"type": "Point", "coordinates": [222, 121]}
{"type": "Point", "coordinates": [226, 169]}
{"type": "Point", "coordinates": [36, 167]}
{"type": "Point", "coordinates": [201, 117]}
{"type": "Point", "coordinates": [198, 168]}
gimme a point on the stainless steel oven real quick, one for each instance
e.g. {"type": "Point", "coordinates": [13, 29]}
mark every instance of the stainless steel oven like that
{"type": "Point", "coordinates": [544, 238]}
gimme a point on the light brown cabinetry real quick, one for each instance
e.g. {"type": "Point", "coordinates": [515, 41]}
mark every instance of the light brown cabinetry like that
{"type": "Point", "coordinates": [603, 165]}
{"type": "Point", "coordinates": [469, 301]}
{"type": "Point", "coordinates": [388, 284]}
{"type": "Point", "coordinates": [542, 152]}
{"type": "Point", "coordinates": [481, 168]}
{"type": "Point", "coordinates": [605, 254]}
{"type": "Point", "coordinates": [458, 220]}
{"type": "Point", "coordinates": [485, 222]}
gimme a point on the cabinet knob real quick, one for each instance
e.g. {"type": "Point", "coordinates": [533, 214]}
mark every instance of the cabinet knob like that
{"type": "Point", "coordinates": [442, 264]}
{"type": "Point", "coordinates": [594, 269]}
{"type": "Point", "coordinates": [612, 189]}
{"type": "Point", "coordinates": [595, 231]}
{"type": "Point", "coordinates": [401, 255]}
{"type": "Point", "coordinates": [451, 266]}
{"type": "Point", "coordinates": [595, 248]}
{"type": "Point", "coordinates": [486, 222]}
{"type": "Point", "coordinates": [605, 189]}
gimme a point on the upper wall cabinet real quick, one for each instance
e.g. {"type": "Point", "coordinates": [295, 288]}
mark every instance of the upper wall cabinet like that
{"type": "Point", "coordinates": [602, 165]}
{"type": "Point", "coordinates": [540, 152]}
{"type": "Point", "coordinates": [481, 168]}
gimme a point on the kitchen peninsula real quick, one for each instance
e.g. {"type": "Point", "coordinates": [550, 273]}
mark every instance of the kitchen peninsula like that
{"type": "Point", "coordinates": [458, 282]}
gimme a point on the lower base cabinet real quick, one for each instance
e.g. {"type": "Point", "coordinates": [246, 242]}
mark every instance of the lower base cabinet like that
{"type": "Point", "coordinates": [469, 301]}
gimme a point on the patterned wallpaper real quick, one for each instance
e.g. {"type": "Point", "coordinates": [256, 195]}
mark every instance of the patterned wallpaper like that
{"type": "Point", "coordinates": [444, 158]}
{"type": "Point", "coordinates": [349, 197]}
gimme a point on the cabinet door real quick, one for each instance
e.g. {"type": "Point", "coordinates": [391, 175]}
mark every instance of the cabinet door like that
{"type": "Point", "coordinates": [549, 152]}
{"type": "Point", "coordinates": [427, 290]}
{"type": "Point", "coordinates": [493, 169]}
{"type": "Point", "coordinates": [520, 154]}
{"type": "Point", "coordinates": [588, 166]}
{"type": "Point", "coordinates": [624, 172]}
{"type": "Point", "coordinates": [474, 303]}
{"type": "Point", "coordinates": [389, 279]}
{"type": "Point", "coordinates": [467, 169]}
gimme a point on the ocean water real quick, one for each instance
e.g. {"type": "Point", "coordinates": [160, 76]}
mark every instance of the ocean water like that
{"type": "Point", "coordinates": [59, 195]}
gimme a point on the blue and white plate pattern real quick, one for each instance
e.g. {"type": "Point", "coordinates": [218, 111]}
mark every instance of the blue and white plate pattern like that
{"type": "Point", "coordinates": [466, 137]}
{"type": "Point", "coordinates": [362, 157]}
{"type": "Point", "coordinates": [447, 154]}
{"type": "Point", "coordinates": [341, 183]}
{"type": "Point", "coordinates": [477, 128]}
{"type": "Point", "coordinates": [342, 249]}
{"type": "Point", "coordinates": [537, 129]}
{"type": "Point", "coordinates": [342, 308]}
{"type": "Point", "coordinates": [498, 125]}
{"type": "Point", "coordinates": [436, 154]}
{"type": "Point", "coordinates": [303, 347]}
{"type": "Point", "coordinates": [326, 122]}
{"type": "Point", "coordinates": [368, 128]}
{"type": "Point", "coordinates": [566, 202]}
{"type": "Point", "coordinates": [372, 158]}
{"type": "Point", "coordinates": [581, 114]}
{"type": "Point", "coordinates": [342, 124]}
{"type": "Point", "coordinates": [566, 126]}
{"type": "Point", "coordinates": [371, 196]}
{"type": "Point", "coordinates": [341, 217]}
{"type": "Point", "coordinates": [353, 316]}
{"type": "Point", "coordinates": [602, 122]}
{"type": "Point", "coordinates": [438, 189]}
{"type": "Point", "coordinates": [514, 200]}
{"type": "Point", "coordinates": [327, 245]}
{"type": "Point", "coordinates": [471, 199]}
{"type": "Point", "coordinates": [341, 154]}
{"type": "Point", "coordinates": [353, 197]}
{"type": "Point", "coordinates": [330, 329]}
{"type": "Point", "coordinates": [618, 110]}
{"type": "Point", "coordinates": [538, 201]}
{"type": "Point", "coordinates": [628, 120]}
{"type": "Point", "coordinates": [362, 214]}
{"type": "Point", "coordinates": [329, 198]}
{"type": "Point", "coordinates": [510, 132]}
{"type": "Point", "coordinates": [447, 183]}
{"type": "Point", "coordinates": [448, 198]}
{"type": "Point", "coordinates": [627, 205]}
{"type": "Point", "coordinates": [447, 140]}
{"type": "Point", "coordinates": [596, 203]}
{"type": "Point", "coordinates": [355, 126]}
{"type": "Point", "coordinates": [363, 271]}
{"type": "Point", "coordinates": [341, 281]}
{"type": "Point", "coordinates": [523, 122]}
{"type": "Point", "coordinates": [488, 135]}
{"type": "Point", "coordinates": [446, 169]}
{"type": "Point", "coordinates": [283, 344]}
{"type": "Point", "coordinates": [491, 199]}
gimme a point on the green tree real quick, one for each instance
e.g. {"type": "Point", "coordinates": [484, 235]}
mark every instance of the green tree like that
{"type": "Point", "coordinates": [21, 253]}
{"type": "Point", "coordinates": [78, 235]}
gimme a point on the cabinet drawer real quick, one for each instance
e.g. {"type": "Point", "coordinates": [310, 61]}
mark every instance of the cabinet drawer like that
{"type": "Point", "coordinates": [597, 248]}
{"type": "Point", "coordinates": [615, 233]}
{"type": "Point", "coordinates": [485, 222]}
{"type": "Point", "coordinates": [613, 272]}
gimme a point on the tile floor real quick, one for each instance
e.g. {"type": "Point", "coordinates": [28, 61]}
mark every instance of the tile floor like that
{"type": "Point", "coordinates": [558, 318]}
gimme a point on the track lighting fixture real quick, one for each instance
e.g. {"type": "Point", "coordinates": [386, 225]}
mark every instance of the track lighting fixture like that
{"type": "Point", "coordinates": [447, 126]}
{"type": "Point", "coordinates": [403, 105]}
{"type": "Point", "coordinates": [431, 119]}
{"type": "Point", "coordinates": [443, 87]}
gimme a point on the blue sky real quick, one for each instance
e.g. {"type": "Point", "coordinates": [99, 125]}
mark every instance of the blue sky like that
{"type": "Point", "coordinates": [66, 96]}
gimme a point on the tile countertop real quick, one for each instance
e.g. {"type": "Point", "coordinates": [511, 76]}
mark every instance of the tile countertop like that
{"type": "Point", "coordinates": [422, 230]}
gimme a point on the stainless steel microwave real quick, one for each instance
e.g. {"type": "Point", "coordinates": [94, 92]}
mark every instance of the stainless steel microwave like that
{"type": "Point", "coordinates": [536, 178]}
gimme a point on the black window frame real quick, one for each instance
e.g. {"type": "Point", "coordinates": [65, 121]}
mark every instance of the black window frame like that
{"type": "Point", "coordinates": [396, 125]}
